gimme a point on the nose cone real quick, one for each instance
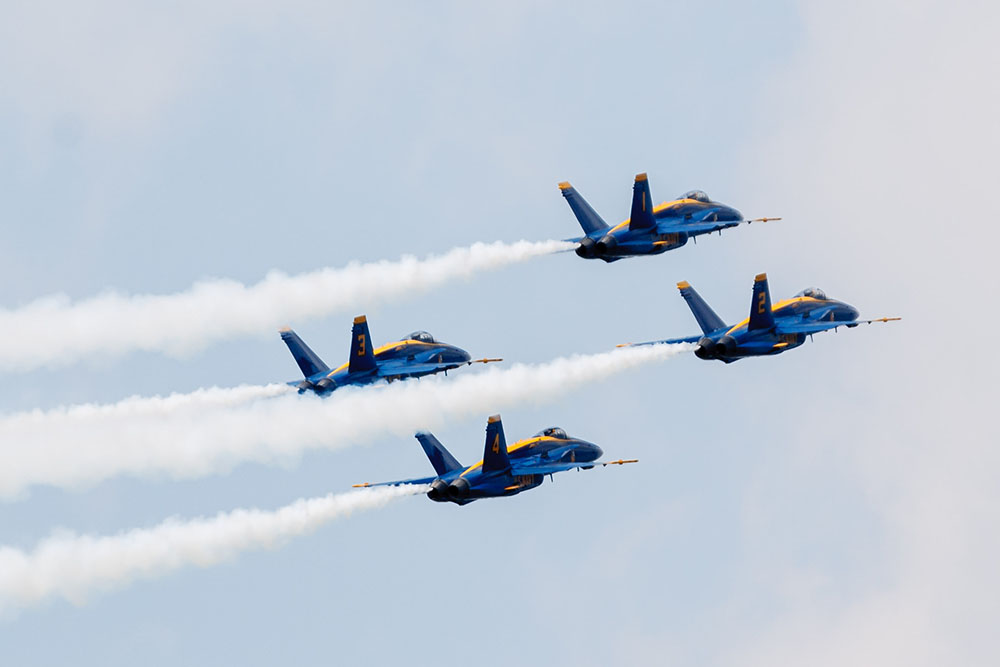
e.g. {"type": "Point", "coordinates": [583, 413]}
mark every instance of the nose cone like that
{"type": "Point", "coordinates": [852, 312]}
{"type": "Point", "coordinates": [461, 355]}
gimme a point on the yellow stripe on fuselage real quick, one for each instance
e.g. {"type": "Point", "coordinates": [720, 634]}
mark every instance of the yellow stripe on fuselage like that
{"type": "Point", "coordinates": [380, 350]}
{"type": "Point", "coordinates": [530, 442]}
{"type": "Point", "coordinates": [775, 308]}
{"type": "Point", "coordinates": [656, 209]}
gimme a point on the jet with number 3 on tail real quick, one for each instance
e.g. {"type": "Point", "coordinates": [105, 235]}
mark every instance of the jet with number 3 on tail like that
{"type": "Point", "coordinates": [649, 230]}
{"type": "Point", "coordinates": [415, 356]}
{"type": "Point", "coordinates": [769, 329]}
{"type": "Point", "coordinates": [503, 471]}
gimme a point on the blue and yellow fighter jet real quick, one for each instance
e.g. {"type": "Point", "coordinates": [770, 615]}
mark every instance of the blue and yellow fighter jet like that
{"type": "Point", "coordinates": [769, 329]}
{"type": "Point", "coordinates": [649, 230]}
{"type": "Point", "coordinates": [416, 355]}
{"type": "Point", "coordinates": [503, 471]}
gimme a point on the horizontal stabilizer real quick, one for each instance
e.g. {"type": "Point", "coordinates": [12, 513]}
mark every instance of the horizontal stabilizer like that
{"type": "Point", "coordinates": [585, 214]}
{"type": "Point", "coordinates": [642, 205]}
{"type": "Point", "coordinates": [761, 316]}
{"type": "Point", "coordinates": [309, 362]}
{"type": "Point", "coordinates": [703, 313]}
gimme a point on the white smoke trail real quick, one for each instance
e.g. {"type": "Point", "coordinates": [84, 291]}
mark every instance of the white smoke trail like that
{"type": "Point", "coordinates": [74, 452]}
{"type": "Point", "coordinates": [74, 566]}
{"type": "Point", "coordinates": [53, 330]}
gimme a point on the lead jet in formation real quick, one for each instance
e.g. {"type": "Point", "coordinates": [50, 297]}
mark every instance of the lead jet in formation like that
{"type": "Point", "coordinates": [416, 355]}
{"type": "Point", "coordinates": [649, 230]}
{"type": "Point", "coordinates": [503, 471]}
{"type": "Point", "coordinates": [769, 329]}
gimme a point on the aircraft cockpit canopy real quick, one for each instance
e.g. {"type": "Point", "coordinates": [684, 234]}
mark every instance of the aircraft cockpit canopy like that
{"type": "Point", "coordinates": [422, 336]}
{"type": "Point", "coordinates": [553, 432]}
{"type": "Point", "coordinates": [698, 195]}
{"type": "Point", "coordinates": [813, 292]}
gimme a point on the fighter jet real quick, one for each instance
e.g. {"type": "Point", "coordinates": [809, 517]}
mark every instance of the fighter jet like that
{"type": "Point", "coordinates": [503, 471]}
{"type": "Point", "coordinates": [416, 355]}
{"type": "Point", "coordinates": [769, 329]}
{"type": "Point", "coordinates": [650, 230]}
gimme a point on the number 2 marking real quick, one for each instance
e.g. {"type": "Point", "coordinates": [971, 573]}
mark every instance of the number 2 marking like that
{"type": "Point", "coordinates": [760, 303]}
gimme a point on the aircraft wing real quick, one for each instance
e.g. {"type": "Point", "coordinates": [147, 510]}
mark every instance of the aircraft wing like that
{"type": "Point", "coordinates": [550, 468]}
{"type": "Point", "coordinates": [816, 327]}
{"type": "Point", "coordinates": [695, 228]}
{"type": "Point", "coordinates": [668, 341]}
{"type": "Point", "coordinates": [401, 482]}
{"type": "Point", "coordinates": [404, 368]}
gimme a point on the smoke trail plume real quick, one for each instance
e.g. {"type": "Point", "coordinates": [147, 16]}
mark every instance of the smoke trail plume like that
{"type": "Point", "coordinates": [73, 566]}
{"type": "Point", "coordinates": [53, 330]}
{"type": "Point", "coordinates": [79, 447]}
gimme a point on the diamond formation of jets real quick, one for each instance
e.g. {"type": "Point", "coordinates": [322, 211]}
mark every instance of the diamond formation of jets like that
{"type": "Point", "coordinates": [503, 471]}
{"type": "Point", "coordinates": [769, 329]}
{"type": "Point", "coordinates": [415, 356]}
{"type": "Point", "coordinates": [649, 230]}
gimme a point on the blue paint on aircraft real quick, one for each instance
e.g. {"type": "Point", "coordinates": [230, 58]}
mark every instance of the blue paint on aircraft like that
{"type": "Point", "coordinates": [414, 356]}
{"type": "Point", "coordinates": [503, 471]}
{"type": "Point", "coordinates": [649, 230]}
{"type": "Point", "coordinates": [770, 329]}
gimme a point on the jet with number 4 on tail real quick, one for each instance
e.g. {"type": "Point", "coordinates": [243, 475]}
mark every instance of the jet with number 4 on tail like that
{"type": "Point", "coordinates": [769, 329]}
{"type": "Point", "coordinates": [649, 230]}
{"type": "Point", "coordinates": [415, 356]}
{"type": "Point", "coordinates": [503, 471]}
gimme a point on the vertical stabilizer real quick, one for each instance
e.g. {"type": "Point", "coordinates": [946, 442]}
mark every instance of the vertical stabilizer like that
{"type": "Point", "coordinates": [309, 362]}
{"type": "Point", "coordinates": [362, 356]}
{"type": "Point", "coordinates": [441, 458]}
{"type": "Point", "coordinates": [642, 205]}
{"type": "Point", "coordinates": [587, 216]}
{"type": "Point", "coordinates": [495, 457]}
{"type": "Point", "coordinates": [761, 316]}
{"type": "Point", "coordinates": [707, 319]}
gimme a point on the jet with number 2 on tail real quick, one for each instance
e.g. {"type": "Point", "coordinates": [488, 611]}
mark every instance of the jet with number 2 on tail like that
{"type": "Point", "coordinates": [769, 329]}
{"type": "Point", "coordinates": [503, 471]}
{"type": "Point", "coordinates": [415, 356]}
{"type": "Point", "coordinates": [649, 230]}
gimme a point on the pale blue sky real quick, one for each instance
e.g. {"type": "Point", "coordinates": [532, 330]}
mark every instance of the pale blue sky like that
{"type": "Point", "coordinates": [833, 505]}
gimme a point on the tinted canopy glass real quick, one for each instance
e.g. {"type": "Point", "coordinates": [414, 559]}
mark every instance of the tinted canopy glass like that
{"type": "Point", "coordinates": [552, 432]}
{"type": "Point", "coordinates": [813, 292]}
{"type": "Point", "coordinates": [698, 195]}
{"type": "Point", "coordinates": [422, 336]}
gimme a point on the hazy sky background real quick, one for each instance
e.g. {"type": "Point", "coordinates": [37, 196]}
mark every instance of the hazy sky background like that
{"type": "Point", "coordinates": [837, 504]}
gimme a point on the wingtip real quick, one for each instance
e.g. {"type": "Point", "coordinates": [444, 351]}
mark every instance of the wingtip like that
{"type": "Point", "coordinates": [565, 185]}
{"type": "Point", "coordinates": [493, 419]}
{"type": "Point", "coordinates": [285, 329]}
{"type": "Point", "coordinates": [361, 486]}
{"type": "Point", "coordinates": [640, 177]}
{"type": "Point", "coordinates": [760, 277]}
{"type": "Point", "coordinates": [683, 284]}
{"type": "Point", "coordinates": [360, 319]}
